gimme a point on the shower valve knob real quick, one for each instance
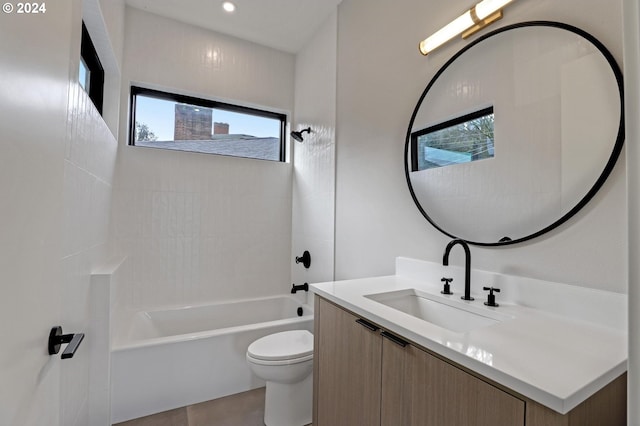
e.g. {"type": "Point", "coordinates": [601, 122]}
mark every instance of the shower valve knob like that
{"type": "Point", "coordinates": [305, 259]}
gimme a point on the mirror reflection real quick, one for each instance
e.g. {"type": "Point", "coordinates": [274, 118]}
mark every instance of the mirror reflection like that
{"type": "Point", "coordinates": [461, 140]}
{"type": "Point", "coordinates": [515, 133]}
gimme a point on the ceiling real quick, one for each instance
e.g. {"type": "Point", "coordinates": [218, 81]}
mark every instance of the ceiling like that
{"type": "Point", "coordinates": [281, 24]}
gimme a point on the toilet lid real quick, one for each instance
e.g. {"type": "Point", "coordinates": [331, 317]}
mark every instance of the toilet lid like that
{"type": "Point", "coordinates": [282, 346]}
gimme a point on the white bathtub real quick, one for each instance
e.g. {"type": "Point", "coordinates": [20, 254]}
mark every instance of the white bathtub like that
{"type": "Point", "coordinates": [164, 359]}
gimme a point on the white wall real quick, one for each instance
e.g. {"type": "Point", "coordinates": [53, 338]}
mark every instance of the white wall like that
{"type": "Point", "coordinates": [57, 170]}
{"type": "Point", "coordinates": [314, 159]}
{"type": "Point", "coordinates": [112, 12]}
{"type": "Point", "coordinates": [380, 77]}
{"type": "Point", "coordinates": [105, 23]}
{"type": "Point", "coordinates": [632, 99]}
{"type": "Point", "coordinates": [199, 227]}
{"type": "Point", "coordinates": [32, 191]}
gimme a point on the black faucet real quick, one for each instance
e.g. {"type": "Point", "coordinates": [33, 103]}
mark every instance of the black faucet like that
{"type": "Point", "coordinates": [296, 288]}
{"type": "Point", "coordinates": [467, 265]}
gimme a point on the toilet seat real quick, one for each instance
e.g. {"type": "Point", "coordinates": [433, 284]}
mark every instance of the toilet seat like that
{"type": "Point", "coordinates": [287, 347]}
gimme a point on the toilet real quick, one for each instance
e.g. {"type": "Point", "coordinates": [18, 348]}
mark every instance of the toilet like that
{"type": "Point", "coordinates": [285, 361]}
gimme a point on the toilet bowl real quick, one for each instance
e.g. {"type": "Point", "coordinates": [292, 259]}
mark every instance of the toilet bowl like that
{"type": "Point", "coordinates": [285, 362]}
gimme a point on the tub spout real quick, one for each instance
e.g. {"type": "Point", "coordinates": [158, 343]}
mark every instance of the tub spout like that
{"type": "Point", "coordinates": [296, 288]}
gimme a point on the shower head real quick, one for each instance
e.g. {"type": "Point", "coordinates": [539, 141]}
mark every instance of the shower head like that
{"type": "Point", "coordinates": [298, 135]}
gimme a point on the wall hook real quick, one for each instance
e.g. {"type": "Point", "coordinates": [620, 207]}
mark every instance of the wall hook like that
{"type": "Point", "coordinates": [305, 259]}
{"type": "Point", "coordinates": [56, 339]}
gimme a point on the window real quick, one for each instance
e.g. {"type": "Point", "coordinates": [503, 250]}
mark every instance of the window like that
{"type": "Point", "coordinates": [84, 76]}
{"type": "Point", "coordinates": [91, 73]}
{"type": "Point", "coordinates": [184, 123]}
{"type": "Point", "coordinates": [461, 140]}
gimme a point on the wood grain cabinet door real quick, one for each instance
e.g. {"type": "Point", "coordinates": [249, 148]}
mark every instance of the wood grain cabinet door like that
{"type": "Point", "coordinates": [419, 389]}
{"type": "Point", "coordinates": [347, 369]}
{"type": "Point", "coordinates": [364, 376]}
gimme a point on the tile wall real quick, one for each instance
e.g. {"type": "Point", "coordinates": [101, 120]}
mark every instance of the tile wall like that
{"type": "Point", "coordinates": [196, 227]}
{"type": "Point", "coordinates": [88, 176]}
{"type": "Point", "coordinates": [89, 164]}
{"type": "Point", "coordinates": [314, 159]}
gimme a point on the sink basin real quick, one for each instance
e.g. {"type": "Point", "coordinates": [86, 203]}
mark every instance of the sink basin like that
{"type": "Point", "coordinates": [452, 315]}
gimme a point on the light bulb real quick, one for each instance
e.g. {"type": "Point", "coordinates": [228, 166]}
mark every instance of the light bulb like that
{"type": "Point", "coordinates": [446, 33]}
{"type": "Point", "coordinates": [487, 7]}
{"type": "Point", "coordinates": [228, 6]}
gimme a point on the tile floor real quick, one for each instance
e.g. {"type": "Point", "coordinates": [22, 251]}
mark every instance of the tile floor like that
{"type": "Point", "coordinates": [243, 409]}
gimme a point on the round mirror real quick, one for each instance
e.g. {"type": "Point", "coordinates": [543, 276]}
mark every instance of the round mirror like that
{"type": "Point", "coordinates": [515, 133]}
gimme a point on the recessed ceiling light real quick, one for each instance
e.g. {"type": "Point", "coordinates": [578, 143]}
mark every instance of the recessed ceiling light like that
{"type": "Point", "coordinates": [228, 6]}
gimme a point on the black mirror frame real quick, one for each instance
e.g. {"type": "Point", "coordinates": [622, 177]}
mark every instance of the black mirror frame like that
{"type": "Point", "coordinates": [615, 154]}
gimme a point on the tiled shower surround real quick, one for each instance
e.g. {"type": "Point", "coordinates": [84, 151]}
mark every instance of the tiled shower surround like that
{"type": "Point", "coordinates": [207, 229]}
{"type": "Point", "coordinates": [194, 226]}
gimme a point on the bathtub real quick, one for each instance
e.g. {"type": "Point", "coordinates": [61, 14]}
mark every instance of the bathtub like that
{"type": "Point", "coordinates": [169, 358]}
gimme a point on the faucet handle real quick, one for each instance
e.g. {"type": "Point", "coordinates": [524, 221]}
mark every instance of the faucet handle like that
{"type": "Point", "coordinates": [305, 259]}
{"type": "Point", "coordinates": [447, 285]}
{"type": "Point", "coordinates": [491, 298]}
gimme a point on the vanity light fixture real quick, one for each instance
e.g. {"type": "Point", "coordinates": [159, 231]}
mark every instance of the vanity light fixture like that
{"type": "Point", "coordinates": [473, 20]}
{"type": "Point", "coordinates": [229, 7]}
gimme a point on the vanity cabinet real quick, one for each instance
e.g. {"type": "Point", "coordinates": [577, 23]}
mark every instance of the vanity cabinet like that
{"type": "Point", "coordinates": [367, 377]}
{"type": "Point", "coordinates": [364, 375]}
{"type": "Point", "coordinates": [421, 389]}
{"type": "Point", "coordinates": [347, 369]}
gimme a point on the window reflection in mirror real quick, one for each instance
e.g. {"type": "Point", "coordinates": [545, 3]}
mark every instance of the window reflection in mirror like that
{"type": "Point", "coordinates": [460, 140]}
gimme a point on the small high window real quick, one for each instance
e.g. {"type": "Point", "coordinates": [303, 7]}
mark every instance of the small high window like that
{"type": "Point", "coordinates": [461, 140]}
{"type": "Point", "coordinates": [184, 123]}
{"type": "Point", "coordinates": [91, 73]}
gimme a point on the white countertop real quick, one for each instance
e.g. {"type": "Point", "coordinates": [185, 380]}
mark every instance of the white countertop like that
{"type": "Point", "coordinates": [552, 359]}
